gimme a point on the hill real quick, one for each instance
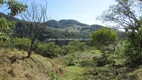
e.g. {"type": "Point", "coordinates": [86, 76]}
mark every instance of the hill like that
{"type": "Point", "coordinates": [63, 23]}
{"type": "Point", "coordinates": [34, 68]}
{"type": "Point", "coordinates": [71, 25]}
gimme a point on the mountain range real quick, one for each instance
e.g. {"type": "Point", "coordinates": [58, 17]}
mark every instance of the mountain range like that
{"type": "Point", "coordinates": [64, 24]}
{"type": "Point", "coordinates": [71, 25]}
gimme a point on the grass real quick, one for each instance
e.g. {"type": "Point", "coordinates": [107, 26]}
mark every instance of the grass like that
{"type": "Point", "coordinates": [139, 72]}
{"type": "Point", "coordinates": [73, 73]}
{"type": "Point", "coordinates": [34, 68]}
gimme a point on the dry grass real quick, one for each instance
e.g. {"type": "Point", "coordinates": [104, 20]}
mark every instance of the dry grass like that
{"type": "Point", "coordinates": [139, 73]}
{"type": "Point", "coordinates": [34, 68]}
{"type": "Point", "coordinates": [140, 76]}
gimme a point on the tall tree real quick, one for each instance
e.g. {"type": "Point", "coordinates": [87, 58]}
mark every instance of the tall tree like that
{"type": "Point", "coordinates": [14, 6]}
{"type": "Point", "coordinates": [35, 15]}
{"type": "Point", "coordinates": [128, 15]}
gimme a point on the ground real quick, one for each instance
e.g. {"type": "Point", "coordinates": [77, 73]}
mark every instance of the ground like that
{"type": "Point", "coordinates": [34, 68]}
{"type": "Point", "coordinates": [73, 73]}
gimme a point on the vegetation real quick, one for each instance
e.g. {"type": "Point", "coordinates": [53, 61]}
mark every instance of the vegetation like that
{"type": "Point", "coordinates": [34, 68]}
{"type": "Point", "coordinates": [6, 28]}
{"type": "Point", "coordinates": [14, 6]}
{"type": "Point", "coordinates": [125, 14]}
{"type": "Point", "coordinates": [73, 73]}
{"type": "Point", "coordinates": [34, 16]}
{"type": "Point", "coordinates": [105, 56]}
{"type": "Point", "coordinates": [103, 37]}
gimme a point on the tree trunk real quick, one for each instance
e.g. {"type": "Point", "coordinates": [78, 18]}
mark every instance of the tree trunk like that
{"type": "Point", "coordinates": [31, 48]}
{"type": "Point", "coordinates": [29, 53]}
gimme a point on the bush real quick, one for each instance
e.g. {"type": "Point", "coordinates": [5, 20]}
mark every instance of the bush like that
{"type": "Point", "coordinates": [133, 48]}
{"type": "Point", "coordinates": [68, 60]}
{"type": "Point", "coordinates": [52, 50]}
{"type": "Point", "coordinates": [109, 73]}
{"type": "Point", "coordinates": [101, 61]}
{"type": "Point", "coordinates": [103, 37]}
{"type": "Point", "coordinates": [49, 50]}
{"type": "Point", "coordinates": [75, 46]}
{"type": "Point", "coordinates": [4, 43]}
{"type": "Point", "coordinates": [22, 43]}
{"type": "Point", "coordinates": [133, 54]}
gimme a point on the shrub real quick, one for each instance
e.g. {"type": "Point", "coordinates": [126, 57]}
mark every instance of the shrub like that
{"type": "Point", "coordinates": [22, 43]}
{"type": "Point", "coordinates": [103, 37]}
{"type": "Point", "coordinates": [4, 43]}
{"type": "Point", "coordinates": [49, 50]}
{"type": "Point", "coordinates": [133, 54]}
{"type": "Point", "coordinates": [68, 60]}
{"type": "Point", "coordinates": [75, 46]}
{"type": "Point", "coordinates": [109, 73]}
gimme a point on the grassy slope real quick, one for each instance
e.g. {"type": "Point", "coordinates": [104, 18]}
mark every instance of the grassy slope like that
{"type": "Point", "coordinates": [139, 73]}
{"type": "Point", "coordinates": [73, 73]}
{"type": "Point", "coordinates": [34, 68]}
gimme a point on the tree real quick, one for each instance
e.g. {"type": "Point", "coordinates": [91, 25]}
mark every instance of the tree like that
{"type": "Point", "coordinates": [128, 15]}
{"type": "Point", "coordinates": [14, 6]}
{"type": "Point", "coordinates": [6, 28]}
{"type": "Point", "coordinates": [35, 15]}
{"type": "Point", "coordinates": [103, 37]}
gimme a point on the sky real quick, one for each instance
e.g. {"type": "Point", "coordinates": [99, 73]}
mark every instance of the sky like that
{"type": "Point", "coordinates": [85, 11]}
